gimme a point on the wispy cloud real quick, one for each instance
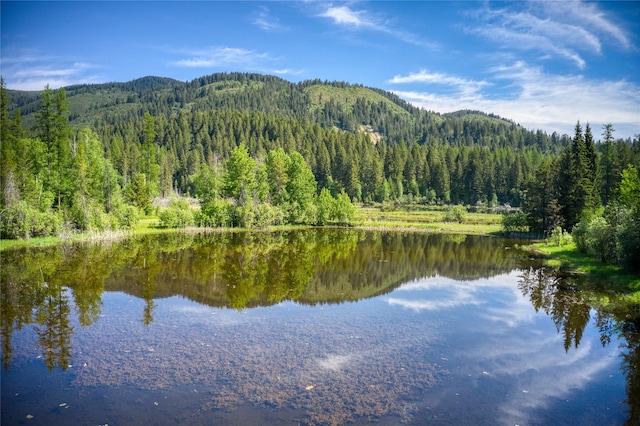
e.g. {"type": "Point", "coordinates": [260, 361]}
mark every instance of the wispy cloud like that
{"type": "Point", "coordinates": [540, 100]}
{"type": "Point", "coordinates": [222, 56]}
{"type": "Point", "coordinates": [233, 57]}
{"type": "Point", "coordinates": [589, 15]}
{"type": "Point", "coordinates": [462, 86]}
{"type": "Point", "coordinates": [569, 30]}
{"type": "Point", "coordinates": [351, 19]}
{"type": "Point", "coordinates": [287, 71]}
{"type": "Point", "coordinates": [343, 15]}
{"type": "Point", "coordinates": [33, 72]}
{"type": "Point", "coordinates": [266, 22]}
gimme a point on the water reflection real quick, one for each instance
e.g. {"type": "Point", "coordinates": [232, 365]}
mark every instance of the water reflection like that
{"type": "Point", "coordinates": [358, 365]}
{"type": "Point", "coordinates": [558, 295]}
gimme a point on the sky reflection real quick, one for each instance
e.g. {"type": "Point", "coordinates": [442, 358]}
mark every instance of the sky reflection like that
{"type": "Point", "coordinates": [503, 340]}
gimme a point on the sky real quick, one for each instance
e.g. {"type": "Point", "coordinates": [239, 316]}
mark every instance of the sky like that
{"type": "Point", "coordinates": [542, 64]}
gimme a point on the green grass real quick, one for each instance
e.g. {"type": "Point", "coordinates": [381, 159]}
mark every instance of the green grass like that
{"type": "Point", "coordinates": [346, 98]}
{"type": "Point", "coordinates": [428, 219]}
{"type": "Point", "coordinates": [611, 276]}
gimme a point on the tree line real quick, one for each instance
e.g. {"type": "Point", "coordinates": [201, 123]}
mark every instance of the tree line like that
{"type": "Point", "coordinates": [62, 179]}
{"type": "Point", "coordinates": [194, 136]}
{"type": "Point", "coordinates": [591, 191]}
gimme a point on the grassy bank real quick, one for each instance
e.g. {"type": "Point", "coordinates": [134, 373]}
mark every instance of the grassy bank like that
{"type": "Point", "coordinates": [611, 276]}
{"type": "Point", "coordinates": [431, 219]}
{"type": "Point", "coordinates": [410, 218]}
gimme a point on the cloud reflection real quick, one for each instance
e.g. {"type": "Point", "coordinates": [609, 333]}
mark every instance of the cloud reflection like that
{"type": "Point", "coordinates": [517, 349]}
{"type": "Point", "coordinates": [445, 293]}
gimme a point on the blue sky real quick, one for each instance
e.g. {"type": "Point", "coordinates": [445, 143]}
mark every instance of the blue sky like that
{"type": "Point", "coordinates": [544, 65]}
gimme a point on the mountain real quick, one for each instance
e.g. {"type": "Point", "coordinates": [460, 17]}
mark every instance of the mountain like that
{"type": "Point", "coordinates": [344, 106]}
{"type": "Point", "coordinates": [157, 136]}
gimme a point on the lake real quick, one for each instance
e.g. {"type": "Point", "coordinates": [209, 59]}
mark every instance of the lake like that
{"type": "Point", "coordinates": [318, 326]}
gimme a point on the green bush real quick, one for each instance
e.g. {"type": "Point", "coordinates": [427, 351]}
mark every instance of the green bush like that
{"type": "Point", "coordinates": [628, 247]}
{"type": "Point", "coordinates": [596, 237]}
{"type": "Point", "coordinates": [560, 237]}
{"type": "Point", "coordinates": [215, 213]}
{"type": "Point", "coordinates": [177, 215]}
{"type": "Point", "coordinates": [579, 235]}
{"type": "Point", "coordinates": [267, 214]}
{"type": "Point", "coordinates": [456, 214]}
{"type": "Point", "coordinates": [126, 216]}
{"type": "Point", "coordinates": [344, 212]}
{"type": "Point", "coordinates": [515, 222]}
{"type": "Point", "coordinates": [601, 239]}
{"type": "Point", "coordinates": [325, 207]}
{"type": "Point", "coordinates": [21, 220]}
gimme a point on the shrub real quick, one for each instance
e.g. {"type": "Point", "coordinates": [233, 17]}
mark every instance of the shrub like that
{"type": "Point", "coordinates": [126, 215]}
{"type": "Point", "coordinates": [560, 237]}
{"type": "Point", "coordinates": [579, 235]}
{"type": "Point", "coordinates": [456, 214]}
{"type": "Point", "coordinates": [177, 215]}
{"type": "Point", "coordinates": [595, 237]}
{"type": "Point", "coordinates": [515, 222]}
{"type": "Point", "coordinates": [601, 239]}
{"type": "Point", "coordinates": [325, 207]}
{"type": "Point", "coordinates": [267, 214]}
{"type": "Point", "coordinates": [21, 220]}
{"type": "Point", "coordinates": [215, 213]}
{"type": "Point", "coordinates": [344, 211]}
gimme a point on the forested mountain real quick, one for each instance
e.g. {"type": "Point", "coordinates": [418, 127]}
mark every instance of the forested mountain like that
{"type": "Point", "coordinates": [348, 107]}
{"type": "Point", "coordinates": [463, 157]}
{"type": "Point", "coordinates": [98, 146]}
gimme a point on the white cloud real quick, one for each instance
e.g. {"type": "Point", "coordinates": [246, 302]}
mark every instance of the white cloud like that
{"type": "Point", "coordinates": [540, 100]}
{"type": "Point", "coordinates": [570, 30]}
{"type": "Point", "coordinates": [362, 19]}
{"type": "Point", "coordinates": [588, 14]}
{"type": "Point", "coordinates": [34, 72]}
{"type": "Point", "coordinates": [445, 293]}
{"type": "Point", "coordinates": [557, 374]}
{"type": "Point", "coordinates": [342, 15]}
{"type": "Point", "coordinates": [222, 56]}
{"type": "Point", "coordinates": [530, 41]}
{"type": "Point", "coordinates": [465, 87]}
{"type": "Point", "coordinates": [287, 71]}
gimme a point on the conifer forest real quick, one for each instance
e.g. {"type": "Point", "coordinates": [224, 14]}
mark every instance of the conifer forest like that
{"type": "Point", "coordinates": [256, 150]}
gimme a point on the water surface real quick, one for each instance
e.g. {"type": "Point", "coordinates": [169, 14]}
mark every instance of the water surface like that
{"type": "Point", "coordinates": [309, 327]}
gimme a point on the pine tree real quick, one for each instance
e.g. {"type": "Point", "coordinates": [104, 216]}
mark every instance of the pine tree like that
{"type": "Point", "coordinates": [572, 180]}
{"type": "Point", "coordinates": [607, 167]}
{"type": "Point", "coordinates": [592, 185]}
{"type": "Point", "coordinates": [52, 125]}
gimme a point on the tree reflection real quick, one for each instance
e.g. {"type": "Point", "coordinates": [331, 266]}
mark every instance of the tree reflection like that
{"type": "Point", "coordinates": [54, 330]}
{"type": "Point", "coordinates": [559, 298]}
{"type": "Point", "coordinates": [236, 270]}
{"type": "Point", "coordinates": [630, 330]}
{"type": "Point", "coordinates": [241, 270]}
{"type": "Point", "coordinates": [565, 301]}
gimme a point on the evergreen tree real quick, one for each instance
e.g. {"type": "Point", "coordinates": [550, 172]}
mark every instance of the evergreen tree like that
{"type": "Point", "coordinates": [148, 160]}
{"type": "Point", "coordinates": [592, 185]}
{"type": "Point", "coordinates": [607, 167]}
{"type": "Point", "coordinates": [572, 183]}
{"type": "Point", "coordinates": [52, 126]}
{"type": "Point", "coordinates": [540, 203]}
{"type": "Point", "coordinates": [137, 193]}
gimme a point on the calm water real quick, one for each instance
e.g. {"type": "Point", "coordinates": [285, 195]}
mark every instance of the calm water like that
{"type": "Point", "coordinates": [310, 327]}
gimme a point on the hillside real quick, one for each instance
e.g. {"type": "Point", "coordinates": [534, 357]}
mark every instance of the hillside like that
{"type": "Point", "coordinates": [330, 104]}
{"type": "Point", "coordinates": [255, 149]}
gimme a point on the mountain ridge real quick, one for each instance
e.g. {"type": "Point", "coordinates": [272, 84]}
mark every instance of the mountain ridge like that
{"type": "Point", "coordinates": [329, 103]}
